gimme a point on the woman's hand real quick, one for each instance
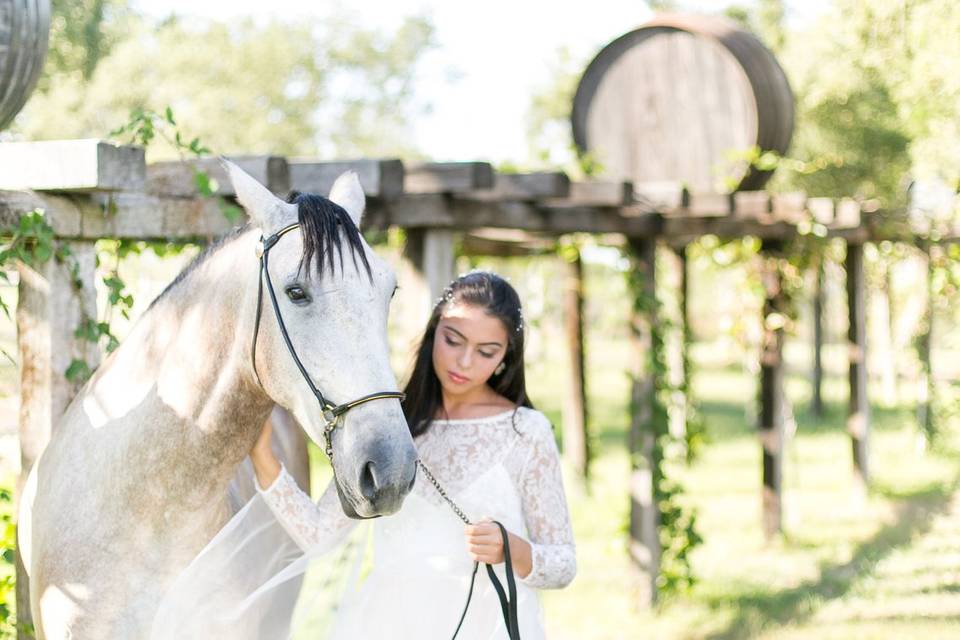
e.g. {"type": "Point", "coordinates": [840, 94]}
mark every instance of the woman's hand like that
{"type": "Point", "coordinates": [265, 464]}
{"type": "Point", "coordinates": [485, 544]}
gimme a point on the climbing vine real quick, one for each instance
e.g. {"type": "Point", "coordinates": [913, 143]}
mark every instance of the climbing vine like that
{"type": "Point", "coordinates": [677, 531]}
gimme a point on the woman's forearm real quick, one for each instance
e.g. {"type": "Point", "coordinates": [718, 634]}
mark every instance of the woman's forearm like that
{"type": "Point", "coordinates": [267, 468]}
{"type": "Point", "coordinates": [521, 555]}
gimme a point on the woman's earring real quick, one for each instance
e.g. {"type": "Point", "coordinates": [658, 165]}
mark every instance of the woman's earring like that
{"type": "Point", "coordinates": [499, 369]}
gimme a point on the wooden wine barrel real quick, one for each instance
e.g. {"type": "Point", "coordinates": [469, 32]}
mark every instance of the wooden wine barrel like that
{"type": "Point", "coordinates": [24, 31]}
{"type": "Point", "coordinates": [672, 100]}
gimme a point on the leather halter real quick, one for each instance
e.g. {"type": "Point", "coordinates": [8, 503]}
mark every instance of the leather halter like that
{"type": "Point", "coordinates": [332, 413]}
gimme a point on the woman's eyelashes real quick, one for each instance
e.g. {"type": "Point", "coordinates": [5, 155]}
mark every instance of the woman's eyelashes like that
{"type": "Point", "coordinates": [454, 343]}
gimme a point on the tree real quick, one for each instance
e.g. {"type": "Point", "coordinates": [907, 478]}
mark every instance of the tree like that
{"type": "Point", "coordinates": [308, 88]}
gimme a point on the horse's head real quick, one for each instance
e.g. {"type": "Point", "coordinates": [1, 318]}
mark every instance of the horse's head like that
{"type": "Point", "coordinates": [333, 294]}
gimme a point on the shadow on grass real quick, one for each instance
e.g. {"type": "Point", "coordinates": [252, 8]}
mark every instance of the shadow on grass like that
{"type": "Point", "coordinates": [758, 611]}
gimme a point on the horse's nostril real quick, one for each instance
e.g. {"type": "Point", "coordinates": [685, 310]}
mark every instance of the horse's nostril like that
{"type": "Point", "coordinates": [368, 482]}
{"type": "Point", "coordinates": [413, 479]}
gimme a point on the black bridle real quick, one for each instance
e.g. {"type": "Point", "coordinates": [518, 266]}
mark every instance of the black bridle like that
{"type": "Point", "coordinates": [332, 413]}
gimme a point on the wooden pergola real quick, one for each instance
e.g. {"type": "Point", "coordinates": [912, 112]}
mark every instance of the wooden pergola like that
{"type": "Point", "coordinates": [91, 189]}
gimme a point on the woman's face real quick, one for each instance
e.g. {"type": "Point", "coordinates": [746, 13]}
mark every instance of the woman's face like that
{"type": "Point", "coordinates": [468, 346]}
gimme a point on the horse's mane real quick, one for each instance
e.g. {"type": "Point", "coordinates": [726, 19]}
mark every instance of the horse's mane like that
{"type": "Point", "coordinates": [320, 220]}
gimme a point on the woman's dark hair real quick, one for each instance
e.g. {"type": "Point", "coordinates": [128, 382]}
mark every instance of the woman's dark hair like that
{"type": "Point", "coordinates": [495, 296]}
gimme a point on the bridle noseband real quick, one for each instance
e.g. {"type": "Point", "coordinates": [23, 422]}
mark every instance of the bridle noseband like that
{"type": "Point", "coordinates": [332, 413]}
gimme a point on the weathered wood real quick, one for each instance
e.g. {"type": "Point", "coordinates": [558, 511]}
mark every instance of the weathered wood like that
{"type": "Point", "coordinates": [455, 212]}
{"type": "Point", "coordinates": [858, 415]}
{"type": "Point", "coordinates": [526, 186]}
{"type": "Point", "coordinates": [135, 215]}
{"type": "Point", "coordinates": [821, 209]}
{"type": "Point", "coordinates": [816, 402]}
{"type": "Point", "coordinates": [751, 204]}
{"type": "Point", "coordinates": [576, 438]}
{"type": "Point", "coordinates": [431, 253]}
{"type": "Point", "coordinates": [789, 207]}
{"type": "Point", "coordinates": [379, 178]}
{"type": "Point", "coordinates": [506, 243]}
{"type": "Point", "coordinates": [668, 197]}
{"type": "Point", "coordinates": [772, 410]}
{"type": "Point", "coordinates": [669, 101]}
{"type": "Point", "coordinates": [24, 35]}
{"type": "Point", "coordinates": [62, 213]}
{"type": "Point", "coordinates": [49, 310]}
{"type": "Point", "coordinates": [601, 194]}
{"type": "Point", "coordinates": [644, 514]}
{"type": "Point", "coordinates": [71, 165]}
{"type": "Point", "coordinates": [447, 177]}
{"type": "Point", "coordinates": [178, 179]}
{"type": "Point", "coordinates": [847, 215]}
{"type": "Point", "coordinates": [704, 204]}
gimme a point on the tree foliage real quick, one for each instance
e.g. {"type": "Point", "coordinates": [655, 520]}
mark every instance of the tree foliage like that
{"type": "Point", "coordinates": [303, 88]}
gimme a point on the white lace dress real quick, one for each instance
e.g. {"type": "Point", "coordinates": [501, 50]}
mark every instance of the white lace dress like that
{"type": "Point", "coordinates": [496, 467]}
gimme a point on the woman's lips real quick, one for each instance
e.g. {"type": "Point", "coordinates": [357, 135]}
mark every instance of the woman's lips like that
{"type": "Point", "coordinates": [457, 378]}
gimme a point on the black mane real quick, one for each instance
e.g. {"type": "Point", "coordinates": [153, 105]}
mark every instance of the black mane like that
{"type": "Point", "coordinates": [320, 222]}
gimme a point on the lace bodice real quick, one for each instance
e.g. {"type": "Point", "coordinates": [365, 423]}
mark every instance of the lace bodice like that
{"type": "Point", "coordinates": [461, 453]}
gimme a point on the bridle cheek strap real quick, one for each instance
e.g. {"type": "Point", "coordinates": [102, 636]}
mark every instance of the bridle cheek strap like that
{"type": "Point", "coordinates": [332, 413]}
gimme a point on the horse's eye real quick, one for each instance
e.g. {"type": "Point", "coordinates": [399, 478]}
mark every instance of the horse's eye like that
{"type": "Point", "coordinates": [297, 295]}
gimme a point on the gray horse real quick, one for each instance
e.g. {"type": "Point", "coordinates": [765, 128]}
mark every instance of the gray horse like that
{"type": "Point", "coordinates": [134, 481]}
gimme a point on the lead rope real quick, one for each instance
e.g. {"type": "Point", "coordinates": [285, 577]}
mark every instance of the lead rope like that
{"type": "Point", "coordinates": [508, 605]}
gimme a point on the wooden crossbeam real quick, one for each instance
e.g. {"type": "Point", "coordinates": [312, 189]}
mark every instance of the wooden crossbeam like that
{"type": "Point", "coordinates": [71, 165]}
{"type": "Point", "coordinates": [526, 187]}
{"type": "Point", "coordinates": [447, 177]}
{"type": "Point", "coordinates": [379, 178]}
{"type": "Point", "coordinates": [178, 178]}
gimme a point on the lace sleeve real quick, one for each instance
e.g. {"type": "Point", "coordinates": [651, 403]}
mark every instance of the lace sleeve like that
{"type": "Point", "coordinates": [315, 527]}
{"type": "Point", "coordinates": [545, 509]}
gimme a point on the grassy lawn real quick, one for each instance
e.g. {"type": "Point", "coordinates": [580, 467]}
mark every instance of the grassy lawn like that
{"type": "Point", "coordinates": [885, 565]}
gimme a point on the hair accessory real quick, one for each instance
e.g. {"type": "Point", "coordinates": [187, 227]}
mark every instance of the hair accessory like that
{"type": "Point", "coordinates": [500, 368]}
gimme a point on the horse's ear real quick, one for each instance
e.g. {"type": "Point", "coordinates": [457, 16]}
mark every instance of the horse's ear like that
{"type": "Point", "coordinates": [348, 193]}
{"type": "Point", "coordinates": [266, 210]}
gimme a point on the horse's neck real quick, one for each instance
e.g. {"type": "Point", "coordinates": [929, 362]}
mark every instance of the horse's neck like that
{"type": "Point", "coordinates": [186, 363]}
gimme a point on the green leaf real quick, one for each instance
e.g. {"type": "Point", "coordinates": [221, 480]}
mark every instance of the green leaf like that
{"type": "Point", "coordinates": [78, 371]}
{"type": "Point", "coordinates": [169, 116]}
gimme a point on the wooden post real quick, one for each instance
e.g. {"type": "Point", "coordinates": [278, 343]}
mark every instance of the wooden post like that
{"type": "Point", "coordinates": [576, 441]}
{"type": "Point", "coordinates": [816, 403]}
{"type": "Point", "coordinates": [925, 353]}
{"type": "Point", "coordinates": [644, 516]}
{"type": "Point", "coordinates": [431, 252]}
{"type": "Point", "coordinates": [772, 412]}
{"type": "Point", "coordinates": [49, 311]}
{"type": "Point", "coordinates": [858, 415]}
{"type": "Point", "coordinates": [681, 373]}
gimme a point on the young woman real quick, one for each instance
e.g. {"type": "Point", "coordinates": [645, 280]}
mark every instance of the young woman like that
{"type": "Point", "coordinates": [495, 457]}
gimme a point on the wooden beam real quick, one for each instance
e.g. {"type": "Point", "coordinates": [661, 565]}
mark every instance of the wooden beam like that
{"type": "Point", "coordinates": [858, 414]}
{"type": "Point", "coordinates": [455, 212]}
{"type": "Point", "coordinates": [772, 410]}
{"type": "Point", "coordinates": [576, 438]}
{"type": "Point", "coordinates": [821, 209]}
{"type": "Point", "coordinates": [668, 197]}
{"type": "Point", "coordinates": [447, 177]}
{"type": "Point", "coordinates": [754, 205]}
{"type": "Point", "coordinates": [790, 207]}
{"type": "Point", "coordinates": [598, 194]}
{"type": "Point", "coordinates": [379, 178]}
{"type": "Point", "coordinates": [816, 402]}
{"type": "Point", "coordinates": [644, 513]}
{"type": "Point", "coordinates": [177, 178]}
{"type": "Point", "coordinates": [71, 165]}
{"type": "Point", "coordinates": [710, 204]}
{"type": "Point", "coordinates": [431, 253]}
{"type": "Point", "coordinates": [847, 214]}
{"type": "Point", "coordinates": [526, 186]}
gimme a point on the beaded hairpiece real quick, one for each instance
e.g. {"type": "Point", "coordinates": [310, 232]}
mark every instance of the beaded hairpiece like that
{"type": "Point", "coordinates": [447, 297]}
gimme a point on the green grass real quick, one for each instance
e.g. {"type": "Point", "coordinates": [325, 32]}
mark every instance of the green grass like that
{"type": "Point", "coordinates": [884, 565]}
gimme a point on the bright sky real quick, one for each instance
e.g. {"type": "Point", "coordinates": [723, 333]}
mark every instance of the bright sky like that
{"type": "Point", "coordinates": [490, 57]}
